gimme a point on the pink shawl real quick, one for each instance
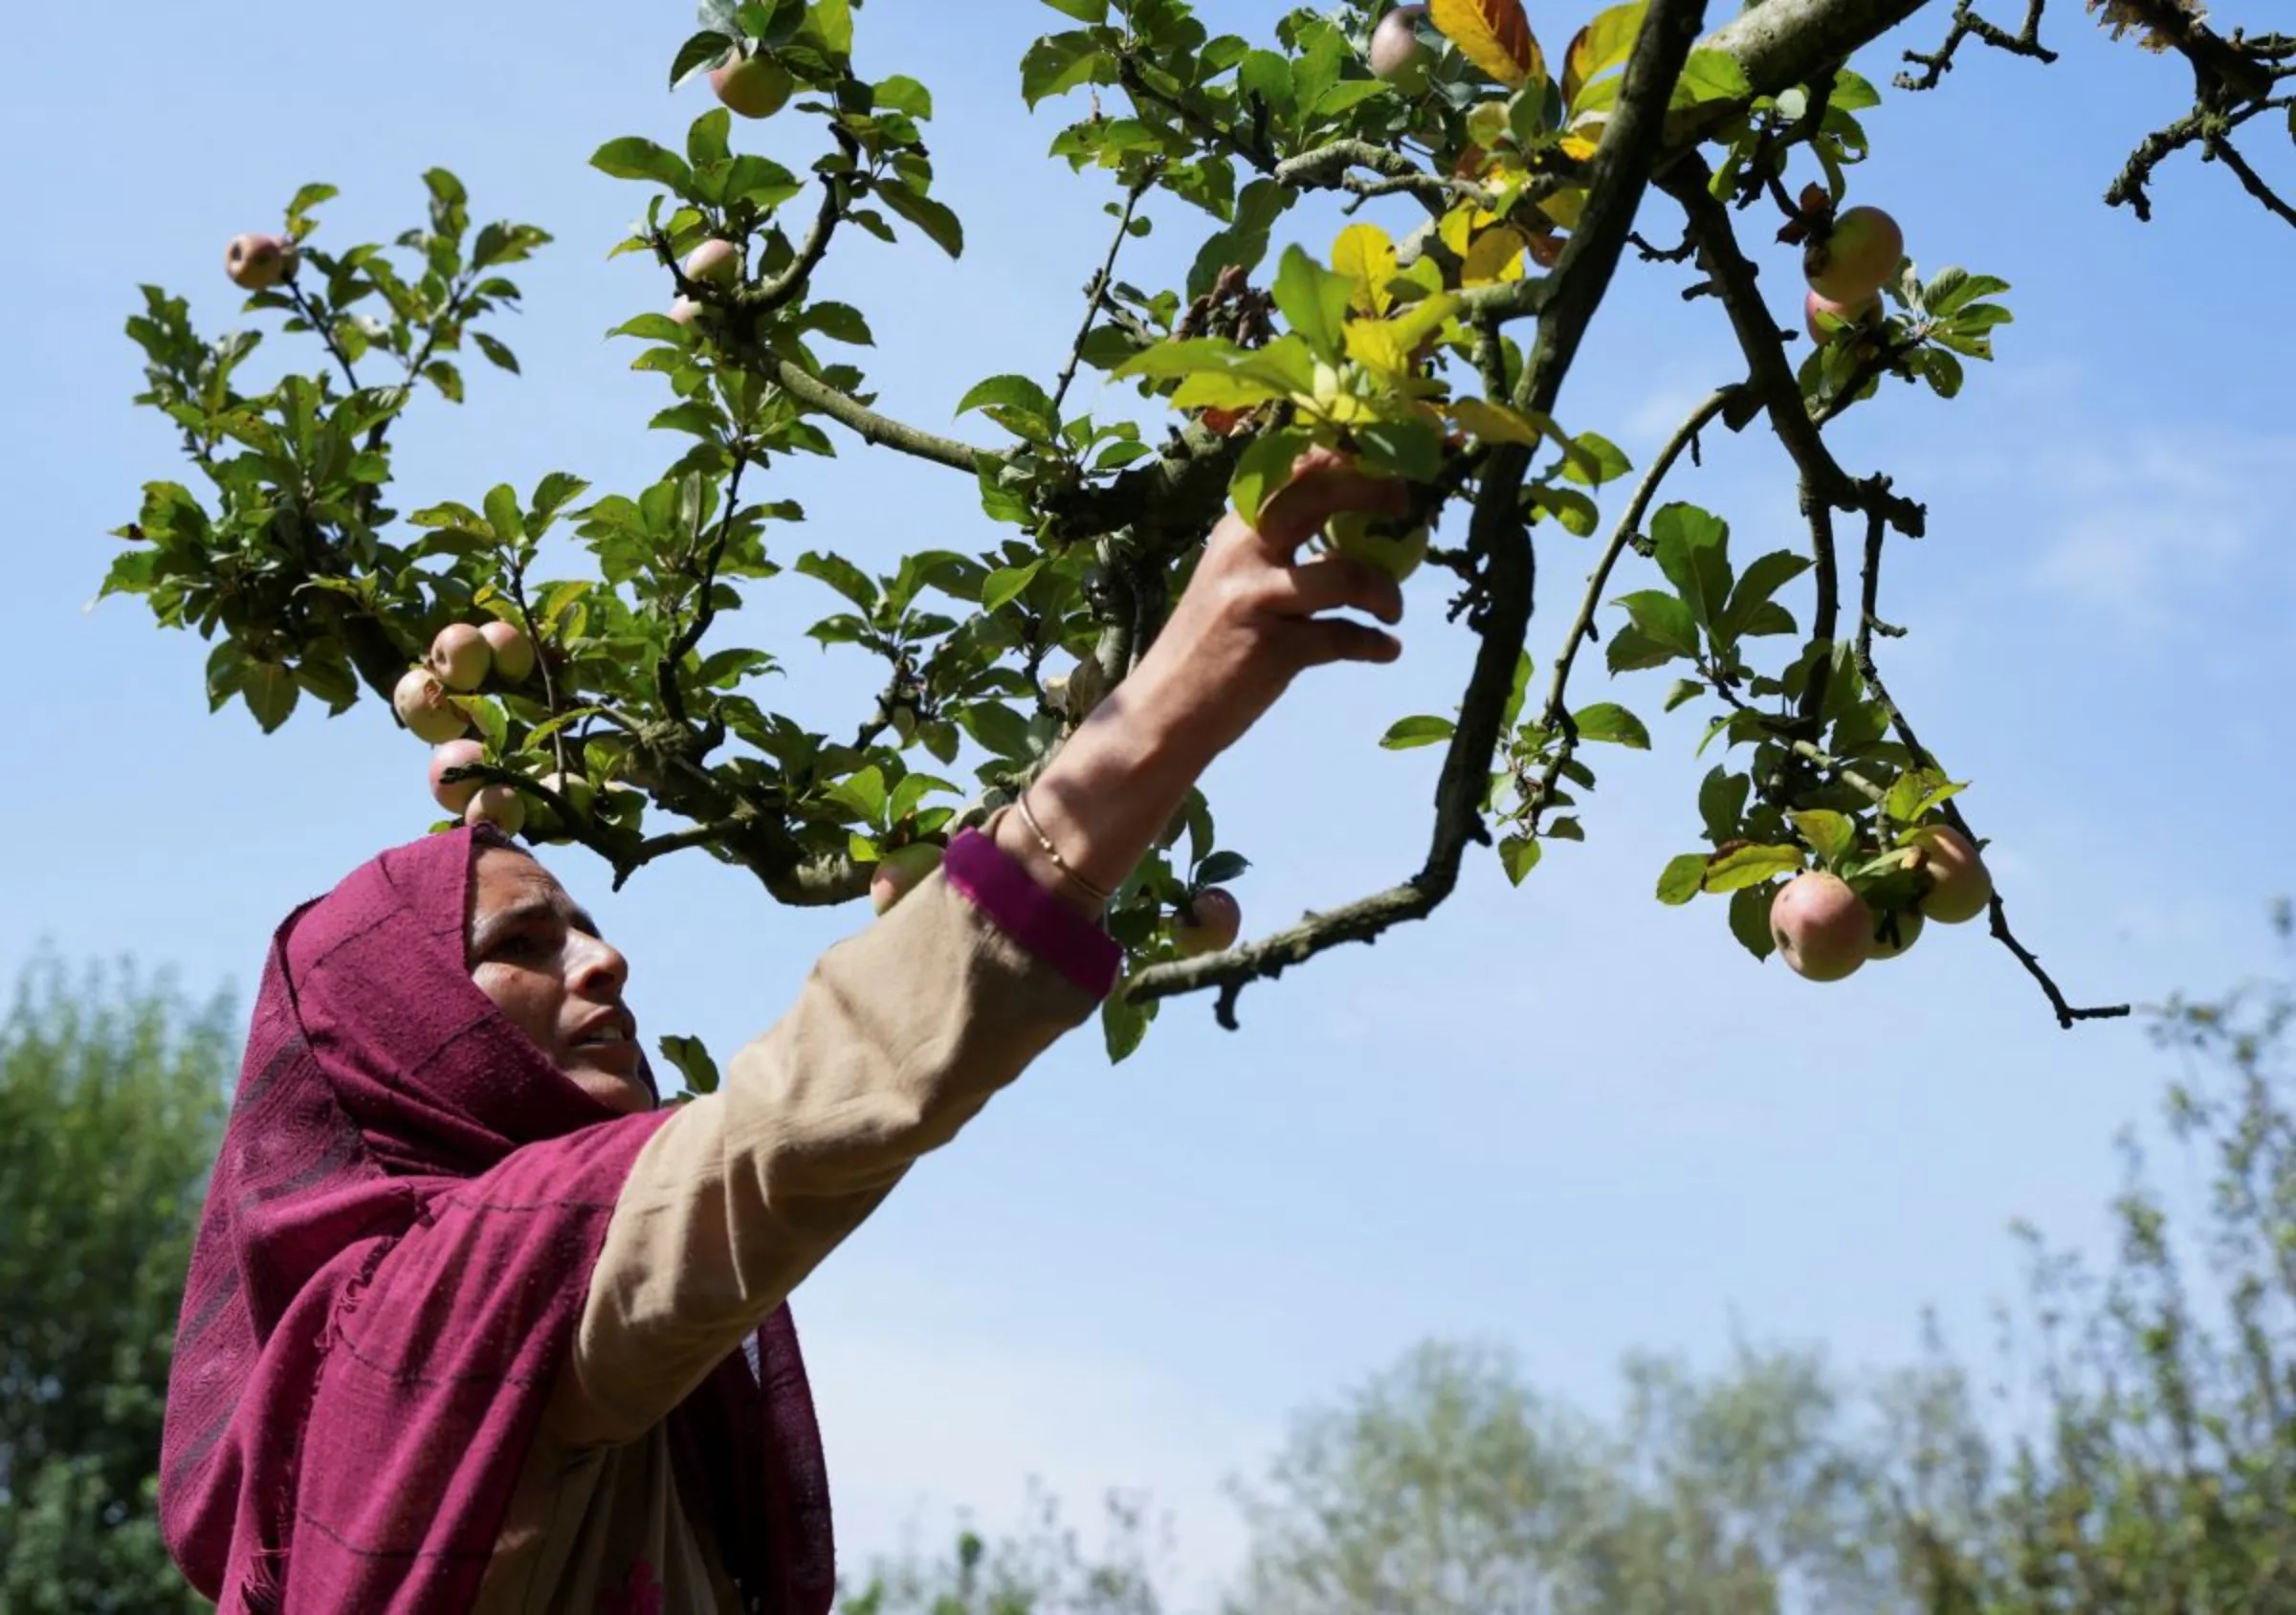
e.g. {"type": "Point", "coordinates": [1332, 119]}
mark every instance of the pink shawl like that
{"type": "Point", "coordinates": [393, 1256]}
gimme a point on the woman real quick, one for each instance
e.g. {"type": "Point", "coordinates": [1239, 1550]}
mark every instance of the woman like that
{"type": "Point", "coordinates": [472, 1324]}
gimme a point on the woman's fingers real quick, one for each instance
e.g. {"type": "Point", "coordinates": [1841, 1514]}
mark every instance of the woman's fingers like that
{"type": "Point", "coordinates": [1324, 482]}
{"type": "Point", "coordinates": [1337, 583]}
{"type": "Point", "coordinates": [1338, 639]}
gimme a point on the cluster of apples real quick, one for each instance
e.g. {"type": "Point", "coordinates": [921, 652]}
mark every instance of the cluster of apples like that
{"type": "Point", "coordinates": [1824, 931]}
{"type": "Point", "coordinates": [463, 657]}
{"type": "Point", "coordinates": [1848, 261]}
{"type": "Point", "coordinates": [256, 264]}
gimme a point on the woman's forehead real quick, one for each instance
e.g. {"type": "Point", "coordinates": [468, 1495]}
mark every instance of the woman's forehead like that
{"type": "Point", "coordinates": [507, 877]}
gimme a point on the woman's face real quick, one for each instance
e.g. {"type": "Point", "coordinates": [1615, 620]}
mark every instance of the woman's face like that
{"type": "Point", "coordinates": [541, 959]}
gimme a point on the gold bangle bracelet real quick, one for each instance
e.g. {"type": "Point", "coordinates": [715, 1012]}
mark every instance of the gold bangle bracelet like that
{"type": "Point", "coordinates": [1098, 895]}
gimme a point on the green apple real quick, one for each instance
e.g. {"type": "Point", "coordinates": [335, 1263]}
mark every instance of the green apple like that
{"type": "Point", "coordinates": [755, 86]}
{"type": "Point", "coordinates": [1361, 536]}
{"type": "Point", "coordinates": [1856, 257]}
{"type": "Point", "coordinates": [1960, 886]}
{"type": "Point", "coordinates": [1210, 922]}
{"type": "Point", "coordinates": [421, 704]}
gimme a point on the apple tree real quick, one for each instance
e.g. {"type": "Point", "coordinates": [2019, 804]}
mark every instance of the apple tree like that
{"type": "Point", "coordinates": [1471, 190]}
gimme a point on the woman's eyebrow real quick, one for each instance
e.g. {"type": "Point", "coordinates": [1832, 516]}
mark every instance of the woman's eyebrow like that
{"type": "Point", "coordinates": [502, 920]}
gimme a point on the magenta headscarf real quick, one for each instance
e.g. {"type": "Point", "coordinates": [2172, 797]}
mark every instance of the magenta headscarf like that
{"type": "Point", "coordinates": [392, 1260]}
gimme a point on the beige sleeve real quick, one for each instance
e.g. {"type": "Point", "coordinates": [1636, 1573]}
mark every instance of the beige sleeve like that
{"type": "Point", "coordinates": [898, 1037]}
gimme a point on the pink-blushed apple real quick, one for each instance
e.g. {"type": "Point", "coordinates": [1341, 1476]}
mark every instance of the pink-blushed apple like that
{"type": "Point", "coordinates": [1359, 536]}
{"type": "Point", "coordinates": [1396, 54]}
{"type": "Point", "coordinates": [1960, 885]}
{"type": "Point", "coordinates": [542, 821]}
{"type": "Point", "coordinates": [1823, 929]}
{"type": "Point", "coordinates": [1856, 257]}
{"type": "Point", "coordinates": [421, 704]}
{"type": "Point", "coordinates": [899, 871]}
{"type": "Point", "coordinates": [259, 262]}
{"type": "Point", "coordinates": [455, 795]}
{"type": "Point", "coordinates": [1823, 316]}
{"type": "Point", "coordinates": [460, 656]}
{"type": "Point", "coordinates": [504, 806]}
{"type": "Point", "coordinates": [1210, 922]}
{"type": "Point", "coordinates": [1893, 934]}
{"type": "Point", "coordinates": [754, 86]}
{"type": "Point", "coordinates": [714, 260]}
{"type": "Point", "coordinates": [686, 310]}
{"type": "Point", "coordinates": [512, 650]}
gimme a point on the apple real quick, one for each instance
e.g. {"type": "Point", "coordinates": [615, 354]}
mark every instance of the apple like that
{"type": "Point", "coordinates": [503, 807]}
{"type": "Point", "coordinates": [1853, 259]}
{"type": "Point", "coordinates": [1396, 54]}
{"type": "Point", "coordinates": [454, 796]}
{"type": "Point", "coordinates": [460, 656]}
{"type": "Point", "coordinates": [685, 310]}
{"type": "Point", "coordinates": [1905, 926]}
{"type": "Point", "coordinates": [1209, 922]}
{"type": "Point", "coordinates": [1823, 316]}
{"type": "Point", "coordinates": [421, 705]}
{"type": "Point", "coordinates": [258, 262]}
{"type": "Point", "coordinates": [755, 86]}
{"type": "Point", "coordinates": [715, 260]}
{"type": "Point", "coordinates": [1086, 687]}
{"type": "Point", "coordinates": [1356, 535]}
{"type": "Point", "coordinates": [1823, 929]}
{"type": "Point", "coordinates": [1960, 886]}
{"type": "Point", "coordinates": [512, 651]}
{"type": "Point", "coordinates": [899, 871]}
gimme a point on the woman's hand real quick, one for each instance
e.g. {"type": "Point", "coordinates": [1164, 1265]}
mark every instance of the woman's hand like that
{"type": "Point", "coordinates": [1254, 617]}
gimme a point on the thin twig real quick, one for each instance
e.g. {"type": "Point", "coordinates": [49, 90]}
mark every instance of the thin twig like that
{"type": "Point", "coordinates": [1096, 292]}
{"type": "Point", "coordinates": [1968, 25]}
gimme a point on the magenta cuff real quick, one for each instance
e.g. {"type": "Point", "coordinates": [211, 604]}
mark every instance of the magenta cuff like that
{"type": "Point", "coordinates": [1020, 906]}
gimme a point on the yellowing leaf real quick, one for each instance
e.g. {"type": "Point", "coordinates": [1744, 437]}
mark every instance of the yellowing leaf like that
{"type": "Point", "coordinates": [1496, 255]}
{"type": "Point", "coordinates": [1495, 423]}
{"type": "Point", "coordinates": [1600, 45]}
{"type": "Point", "coordinates": [1455, 228]}
{"type": "Point", "coordinates": [1423, 317]}
{"type": "Point", "coordinates": [1366, 256]}
{"type": "Point", "coordinates": [1222, 390]}
{"type": "Point", "coordinates": [1378, 346]}
{"type": "Point", "coordinates": [1564, 207]}
{"type": "Point", "coordinates": [1578, 147]}
{"type": "Point", "coordinates": [1495, 35]}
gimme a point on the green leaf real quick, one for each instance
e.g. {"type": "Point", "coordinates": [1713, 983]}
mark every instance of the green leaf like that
{"type": "Point", "coordinates": [1679, 881]}
{"type": "Point", "coordinates": [634, 157]}
{"type": "Point", "coordinates": [503, 515]}
{"type": "Point", "coordinates": [1685, 690]}
{"type": "Point", "coordinates": [1607, 720]}
{"type": "Point", "coordinates": [1518, 856]}
{"type": "Point", "coordinates": [938, 222]}
{"type": "Point", "coordinates": [1567, 505]}
{"type": "Point", "coordinates": [1830, 834]}
{"type": "Point", "coordinates": [903, 94]}
{"type": "Point", "coordinates": [1722, 804]}
{"type": "Point", "coordinates": [269, 690]}
{"type": "Point", "coordinates": [693, 1062]}
{"type": "Point", "coordinates": [1709, 75]}
{"type": "Point", "coordinates": [1083, 10]}
{"type": "Point", "coordinates": [701, 51]}
{"type": "Point", "coordinates": [1750, 919]}
{"type": "Point", "coordinates": [1060, 62]}
{"type": "Point", "coordinates": [1750, 866]}
{"type": "Point", "coordinates": [1630, 650]}
{"type": "Point", "coordinates": [1406, 733]}
{"type": "Point", "coordinates": [1313, 302]}
{"type": "Point", "coordinates": [1219, 867]}
{"type": "Point", "coordinates": [495, 351]}
{"type": "Point", "coordinates": [864, 793]}
{"type": "Point", "coordinates": [1015, 402]}
{"type": "Point", "coordinates": [1264, 467]}
{"type": "Point", "coordinates": [1693, 553]}
{"type": "Point", "coordinates": [1123, 1024]}
{"type": "Point", "coordinates": [998, 728]}
{"type": "Point", "coordinates": [1594, 461]}
{"type": "Point", "coordinates": [1006, 585]}
{"type": "Point", "coordinates": [1663, 619]}
{"type": "Point", "coordinates": [1764, 576]}
{"type": "Point", "coordinates": [841, 575]}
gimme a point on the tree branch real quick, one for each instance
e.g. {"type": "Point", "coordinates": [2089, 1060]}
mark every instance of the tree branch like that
{"type": "Point", "coordinates": [869, 425]}
{"type": "Point", "coordinates": [1619, 176]}
{"type": "Point", "coordinates": [1968, 25]}
{"type": "Point", "coordinates": [1097, 291]}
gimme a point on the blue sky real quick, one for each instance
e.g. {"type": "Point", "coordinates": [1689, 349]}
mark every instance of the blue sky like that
{"type": "Point", "coordinates": [1563, 1116]}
